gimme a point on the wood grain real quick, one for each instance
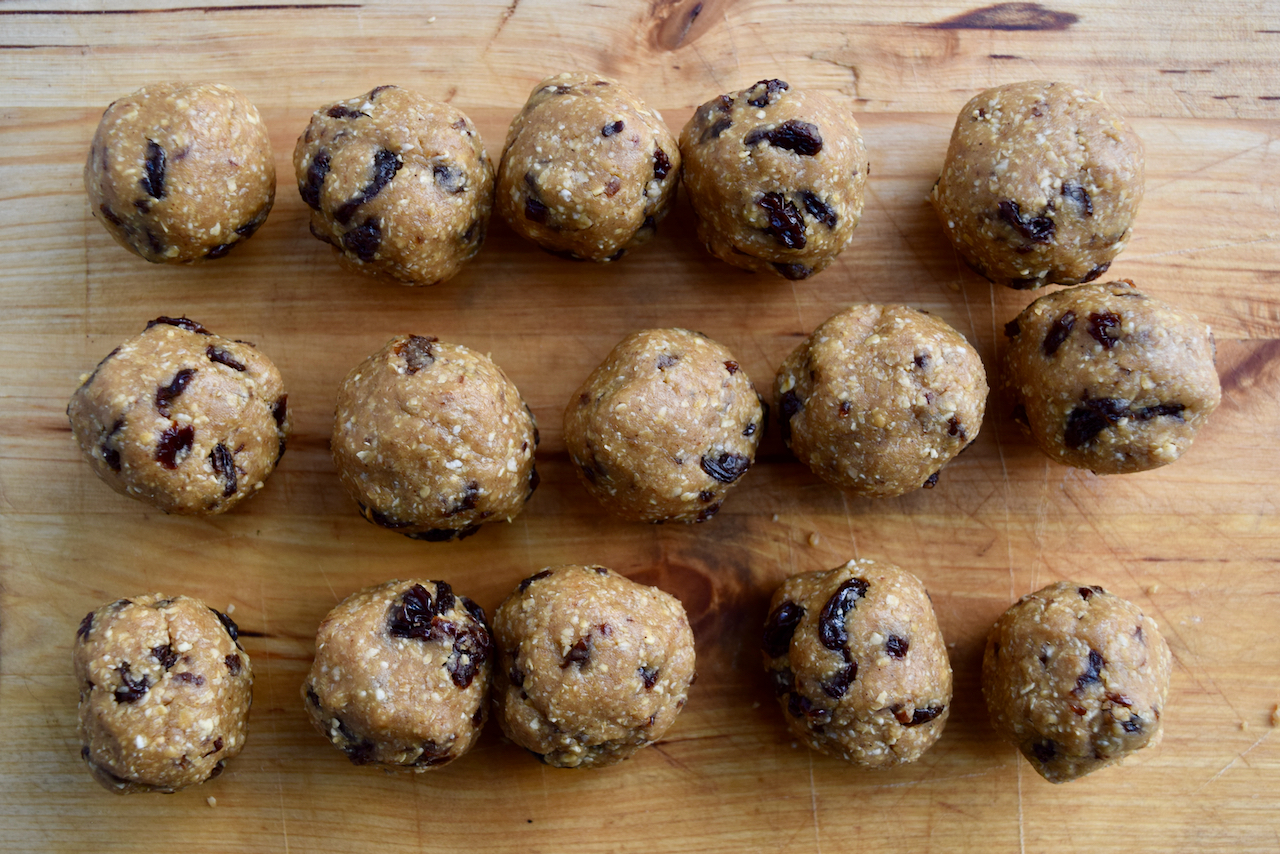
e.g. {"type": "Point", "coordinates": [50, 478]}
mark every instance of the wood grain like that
{"type": "Point", "coordinates": [1195, 544]}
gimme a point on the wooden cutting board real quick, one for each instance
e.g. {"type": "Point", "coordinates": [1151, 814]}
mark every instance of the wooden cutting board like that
{"type": "Point", "coordinates": [1195, 544]}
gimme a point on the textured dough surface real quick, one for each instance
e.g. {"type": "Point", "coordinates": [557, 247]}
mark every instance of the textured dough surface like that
{"type": "Point", "coordinates": [1041, 184]}
{"type": "Point", "coordinates": [592, 666]}
{"type": "Point", "coordinates": [181, 172]}
{"type": "Point", "coordinates": [588, 171]}
{"type": "Point", "coordinates": [397, 184]}
{"type": "Point", "coordinates": [1076, 678]}
{"type": "Point", "coordinates": [858, 663]}
{"type": "Point", "coordinates": [879, 398]}
{"type": "Point", "coordinates": [664, 427]}
{"type": "Point", "coordinates": [432, 439]}
{"type": "Point", "coordinates": [165, 690]}
{"type": "Point", "coordinates": [776, 177]}
{"type": "Point", "coordinates": [1109, 379]}
{"type": "Point", "coordinates": [182, 419]}
{"type": "Point", "coordinates": [401, 675]}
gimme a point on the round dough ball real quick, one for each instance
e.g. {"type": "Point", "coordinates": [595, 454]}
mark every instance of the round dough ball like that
{"type": "Point", "coordinates": [592, 666]}
{"type": "Point", "coordinates": [401, 675]}
{"type": "Point", "coordinates": [181, 172]}
{"type": "Point", "coordinates": [185, 420]}
{"type": "Point", "coordinates": [165, 690]}
{"type": "Point", "coordinates": [664, 427]}
{"type": "Point", "coordinates": [776, 178]}
{"type": "Point", "coordinates": [397, 184]}
{"type": "Point", "coordinates": [432, 439]}
{"type": "Point", "coordinates": [1076, 678]}
{"type": "Point", "coordinates": [1109, 379]}
{"type": "Point", "coordinates": [879, 398]}
{"type": "Point", "coordinates": [1040, 185]}
{"type": "Point", "coordinates": [858, 663]}
{"type": "Point", "coordinates": [588, 171]}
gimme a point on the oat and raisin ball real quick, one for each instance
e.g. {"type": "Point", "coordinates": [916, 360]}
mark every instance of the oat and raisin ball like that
{"type": "Point", "coordinates": [1041, 184]}
{"type": "Point", "coordinates": [399, 185]}
{"type": "Point", "coordinates": [182, 419]}
{"type": "Point", "coordinates": [165, 690]}
{"type": "Point", "coordinates": [401, 675]}
{"type": "Point", "coordinates": [776, 177]}
{"type": "Point", "coordinates": [181, 172]}
{"type": "Point", "coordinates": [588, 170]}
{"type": "Point", "coordinates": [591, 667]}
{"type": "Point", "coordinates": [431, 439]}
{"type": "Point", "coordinates": [1076, 678]}
{"type": "Point", "coordinates": [879, 398]}
{"type": "Point", "coordinates": [1109, 379]}
{"type": "Point", "coordinates": [858, 663]}
{"type": "Point", "coordinates": [664, 427]}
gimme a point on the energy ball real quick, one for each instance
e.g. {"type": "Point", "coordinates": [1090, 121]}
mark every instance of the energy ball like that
{"type": "Point", "coordinates": [776, 178]}
{"type": "Point", "coordinates": [592, 666]}
{"type": "Point", "coordinates": [879, 398]}
{"type": "Point", "coordinates": [1040, 186]}
{"type": "Point", "coordinates": [858, 663]}
{"type": "Point", "coordinates": [664, 427]}
{"type": "Point", "coordinates": [165, 690]}
{"type": "Point", "coordinates": [432, 439]}
{"type": "Point", "coordinates": [588, 171]}
{"type": "Point", "coordinates": [397, 184]}
{"type": "Point", "coordinates": [181, 172]}
{"type": "Point", "coordinates": [1108, 379]}
{"type": "Point", "coordinates": [1076, 678]}
{"type": "Point", "coordinates": [401, 675]}
{"type": "Point", "coordinates": [185, 420]}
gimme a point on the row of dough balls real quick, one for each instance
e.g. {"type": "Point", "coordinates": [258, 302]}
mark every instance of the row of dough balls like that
{"type": "Point", "coordinates": [586, 667]}
{"type": "Point", "coordinates": [1040, 185]}
{"type": "Point", "coordinates": [432, 439]}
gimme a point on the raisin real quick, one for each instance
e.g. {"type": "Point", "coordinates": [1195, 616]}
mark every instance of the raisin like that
{"type": "Point", "coordinates": [1087, 592]}
{"type": "Point", "coordinates": [649, 676]}
{"type": "Point", "coordinates": [111, 456]}
{"type": "Point", "coordinates": [793, 272]}
{"type": "Point", "coordinates": [1045, 655]}
{"type": "Point", "coordinates": [1037, 229]}
{"type": "Point", "coordinates": [174, 442]}
{"type": "Point", "coordinates": [1080, 196]}
{"type": "Point", "coordinates": [1058, 332]}
{"type": "Point", "coordinates": [666, 360]}
{"type": "Point", "coordinates": [189, 678]}
{"type": "Point", "coordinates": [181, 323]}
{"type": "Point", "coordinates": [579, 654]}
{"type": "Point", "coordinates": [222, 357]}
{"type": "Point", "coordinates": [132, 689]}
{"type": "Point", "coordinates": [1146, 413]}
{"type": "Point", "coordinates": [534, 480]}
{"type": "Point", "coordinates": [153, 182]}
{"type": "Point", "coordinates": [838, 685]}
{"type": "Point", "coordinates": [360, 753]}
{"type": "Point", "coordinates": [792, 135]}
{"type": "Point", "coordinates": [524, 585]}
{"type": "Point", "coordinates": [801, 706]}
{"type": "Point", "coordinates": [955, 428]}
{"type": "Point", "coordinates": [468, 500]}
{"type": "Point", "coordinates": [707, 513]}
{"type": "Point", "coordinates": [1091, 674]}
{"type": "Point", "coordinates": [535, 210]}
{"type": "Point", "coordinates": [225, 467]}
{"type": "Point", "coordinates": [919, 716]}
{"type": "Point", "coordinates": [612, 128]}
{"type": "Point", "coordinates": [780, 627]}
{"type": "Point", "coordinates": [1044, 750]}
{"type": "Point", "coordinates": [661, 164]}
{"type": "Point", "coordinates": [788, 405]}
{"type": "Point", "coordinates": [414, 615]}
{"type": "Point", "coordinates": [1096, 272]}
{"type": "Point", "coordinates": [217, 770]}
{"type": "Point", "coordinates": [252, 226]}
{"type": "Point", "coordinates": [831, 629]}
{"type": "Point", "coordinates": [340, 111]}
{"type": "Point", "coordinates": [784, 681]}
{"type": "Point", "coordinates": [516, 676]}
{"type": "Point", "coordinates": [716, 128]}
{"type": "Point", "coordinates": [726, 468]}
{"type": "Point", "coordinates": [785, 224]}
{"type": "Point", "coordinates": [228, 624]}
{"type": "Point", "coordinates": [363, 240]}
{"type": "Point", "coordinates": [611, 187]}
{"type": "Point", "coordinates": [433, 754]}
{"type": "Point", "coordinates": [377, 90]}
{"type": "Point", "coordinates": [313, 697]}
{"type": "Point", "coordinates": [1012, 328]}
{"type": "Point", "coordinates": [731, 366]}
{"type": "Point", "coordinates": [818, 209]}
{"type": "Point", "coordinates": [750, 429]}
{"type": "Point", "coordinates": [417, 351]}
{"type": "Point", "coordinates": [449, 178]}
{"type": "Point", "coordinates": [471, 648]}
{"type": "Point", "coordinates": [706, 495]}
{"type": "Point", "coordinates": [110, 215]}
{"type": "Point", "coordinates": [386, 164]}
{"type": "Point", "coordinates": [1104, 327]}
{"type": "Point", "coordinates": [766, 92]}
{"type": "Point", "coordinates": [165, 655]}
{"type": "Point", "coordinates": [316, 173]}
{"type": "Point", "coordinates": [931, 481]}
{"type": "Point", "coordinates": [897, 647]}
{"type": "Point", "coordinates": [1089, 419]}
{"type": "Point", "coordinates": [1134, 724]}
{"type": "Point", "coordinates": [280, 410]}
{"type": "Point", "coordinates": [154, 241]}
{"type": "Point", "coordinates": [86, 626]}
{"type": "Point", "coordinates": [166, 394]}
{"type": "Point", "coordinates": [217, 745]}
{"type": "Point", "coordinates": [219, 251]}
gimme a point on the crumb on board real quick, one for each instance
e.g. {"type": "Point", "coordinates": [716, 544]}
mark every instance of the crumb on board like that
{"type": "Point", "coordinates": [1275, 715]}
{"type": "Point", "coordinates": [231, 609]}
{"type": "Point", "coordinates": [814, 539]}
{"type": "Point", "coordinates": [211, 801]}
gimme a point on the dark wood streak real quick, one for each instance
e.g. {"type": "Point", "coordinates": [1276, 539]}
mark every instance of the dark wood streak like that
{"type": "Point", "coordinates": [179, 9]}
{"type": "Point", "coordinates": [1008, 16]}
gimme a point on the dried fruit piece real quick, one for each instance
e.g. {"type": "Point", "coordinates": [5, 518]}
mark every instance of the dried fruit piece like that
{"type": "Point", "coordinates": [780, 627]}
{"type": "Point", "coordinates": [785, 223]}
{"type": "Point", "coordinates": [166, 394]}
{"type": "Point", "coordinates": [1038, 229]}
